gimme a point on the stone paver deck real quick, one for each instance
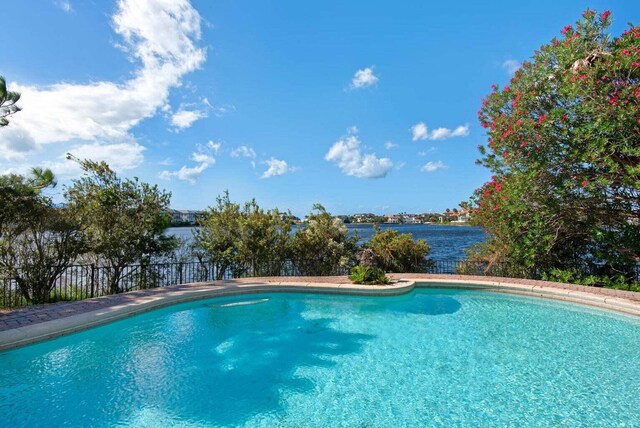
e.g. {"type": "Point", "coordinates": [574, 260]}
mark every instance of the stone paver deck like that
{"type": "Point", "coordinates": [34, 323]}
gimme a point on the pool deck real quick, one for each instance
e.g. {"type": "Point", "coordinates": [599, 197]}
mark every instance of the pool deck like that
{"type": "Point", "coordinates": [22, 326]}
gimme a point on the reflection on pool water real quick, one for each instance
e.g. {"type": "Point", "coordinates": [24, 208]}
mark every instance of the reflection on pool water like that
{"type": "Point", "coordinates": [434, 357]}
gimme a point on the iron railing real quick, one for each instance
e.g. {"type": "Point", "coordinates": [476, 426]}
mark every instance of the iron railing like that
{"type": "Point", "coordinates": [86, 281]}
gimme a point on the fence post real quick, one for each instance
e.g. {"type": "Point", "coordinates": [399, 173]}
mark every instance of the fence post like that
{"type": "Point", "coordinates": [93, 270]}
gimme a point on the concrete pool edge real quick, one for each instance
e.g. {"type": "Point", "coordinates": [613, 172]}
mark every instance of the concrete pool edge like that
{"type": "Point", "coordinates": [147, 300]}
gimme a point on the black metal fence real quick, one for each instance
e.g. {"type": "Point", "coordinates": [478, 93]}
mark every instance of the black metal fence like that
{"type": "Point", "coordinates": [85, 281]}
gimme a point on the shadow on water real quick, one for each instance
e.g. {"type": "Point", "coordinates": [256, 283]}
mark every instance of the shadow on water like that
{"type": "Point", "coordinates": [251, 359]}
{"type": "Point", "coordinates": [427, 302]}
{"type": "Point", "coordinates": [213, 366]}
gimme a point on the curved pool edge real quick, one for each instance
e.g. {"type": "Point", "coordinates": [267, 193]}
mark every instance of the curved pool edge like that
{"type": "Point", "coordinates": [615, 304]}
{"type": "Point", "coordinates": [168, 296]}
{"type": "Point", "coordinates": [134, 303]}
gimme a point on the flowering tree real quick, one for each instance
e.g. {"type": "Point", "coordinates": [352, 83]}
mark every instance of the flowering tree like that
{"type": "Point", "coordinates": [564, 145]}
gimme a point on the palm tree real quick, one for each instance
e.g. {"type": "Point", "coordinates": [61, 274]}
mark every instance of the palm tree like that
{"type": "Point", "coordinates": [8, 102]}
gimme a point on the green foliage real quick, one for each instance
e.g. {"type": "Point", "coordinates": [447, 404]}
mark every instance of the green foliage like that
{"type": "Point", "coordinates": [8, 100]}
{"type": "Point", "coordinates": [123, 219]}
{"type": "Point", "coordinates": [399, 252]}
{"type": "Point", "coordinates": [323, 246]}
{"type": "Point", "coordinates": [575, 276]}
{"type": "Point", "coordinates": [264, 240]}
{"type": "Point", "coordinates": [564, 147]}
{"type": "Point", "coordinates": [368, 275]}
{"type": "Point", "coordinates": [37, 241]}
{"type": "Point", "coordinates": [243, 241]}
{"type": "Point", "coordinates": [218, 235]}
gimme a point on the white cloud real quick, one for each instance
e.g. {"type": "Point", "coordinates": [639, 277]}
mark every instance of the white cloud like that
{"type": "Point", "coordinates": [511, 65]}
{"type": "Point", "coordinates": [277, 167]}
{"type": "Point", "coordinates": [119, 156]}
{"type": "Point", "coordinates": [183, 119]}
{"type": "Point", "coordinates": [419, 131]}
{"type": "Point", "coordinates": [215, 146]}
{"type": "Point", "coordinates": [64, 5]}
{"type": "Point", "coordinates": [390, 145]}
{"type": "Point", "coordinates": [166, 162]}
{"type": "Point", "coordinates": [444, 133]}
{"type": "Point", "coordinates": [364, 78]}
{"type": "Point", "coordinates": [433, 166]}
{"type": "Point", "coordinates": [220, 111]}
{"type": "Point", "coordinates": [203, 159]}
{"type": "Point", "coordinates": [243, 151]}
{"type": "Point", "coordinates": [426, 152]}
{"type": "Point", "coordinates": [347, 154]}
{"type": "Point", "coordinates": [159, 36]}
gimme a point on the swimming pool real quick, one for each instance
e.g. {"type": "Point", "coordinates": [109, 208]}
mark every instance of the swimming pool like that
{"type": "Point", "coordinates": [433, 357]}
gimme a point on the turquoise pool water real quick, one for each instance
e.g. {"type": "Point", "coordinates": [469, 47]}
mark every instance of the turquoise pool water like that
{"type": "Point", "coordinates": [435, 357]}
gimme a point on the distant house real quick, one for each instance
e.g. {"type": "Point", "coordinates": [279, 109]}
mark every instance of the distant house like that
{"type": "Point", "coordinates": [363, 218]}
{"type": "Point", "coordinates": [185, 216]}
{"type": "Point", "coordinates": [393, 218]}
{"type": "Point", "coordinates": [464, 216]}
{"type": "Point", "coordinates": [411, 219]}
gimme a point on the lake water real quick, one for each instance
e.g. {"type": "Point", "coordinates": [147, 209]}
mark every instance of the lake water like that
{"type": "Point", "coordinates": [447, 242]}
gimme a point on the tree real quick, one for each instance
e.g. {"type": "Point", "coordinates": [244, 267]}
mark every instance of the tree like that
{"type": "Point", "coordinates": [264, 240]}
{"type": "Point", "coordinates": [217, 236]}
{"type": "Point", "coordinates": [323, 247]}
{"type": "Point", "coordinates": [38, 242]}
{"type": "Point", "coordinates": [399, 252]}
{"type": "Point", "coordinates": [243, 241]}
{"type": "Point", "coordinates": [123, 219]}
{"type": "Point", "coordinates": [564, 147]}
{"type": "Point", "coordinates": [8, 100]}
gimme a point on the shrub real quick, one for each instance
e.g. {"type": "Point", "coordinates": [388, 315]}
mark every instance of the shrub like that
{"type": "Point", "coordinates": [368, 275]}
{"type": "Point", "coordinates": [399, 253]}
{"type": "Point", "coordinates": [563, 148]}
{"type": "Point", "coordinates": [323, 246]}
{"type": "Point", "coordinates": [243, 240]}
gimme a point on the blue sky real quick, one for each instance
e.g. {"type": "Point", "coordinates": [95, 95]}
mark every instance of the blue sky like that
{"type": "Point", "coordinates": [361, 106]}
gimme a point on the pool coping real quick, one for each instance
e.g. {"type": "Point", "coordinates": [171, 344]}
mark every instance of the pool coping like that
{"type": "Point", "coordinates": [48, 321]}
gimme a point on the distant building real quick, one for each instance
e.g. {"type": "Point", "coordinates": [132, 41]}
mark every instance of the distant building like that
{"type": "Point", "coordinates": [393, 218]}
{"type": "Point", "coordinates": [363, 218]}
{"type": "Point", "coordinates": [411, 219]}
{"type": "Point", "coordinates": [464, 216]}
{"type": "Point", "coordinates": [185, 216]}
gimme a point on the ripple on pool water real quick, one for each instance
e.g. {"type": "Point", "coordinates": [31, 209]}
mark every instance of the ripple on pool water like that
{"type": "Point", "coordinates": [430, 358]}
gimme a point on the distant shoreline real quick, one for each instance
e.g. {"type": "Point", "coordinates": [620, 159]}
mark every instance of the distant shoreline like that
{"type": "Point", "coordinates": [412, 224]}
{"type": "Point", "coordinates": [366, 224]}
